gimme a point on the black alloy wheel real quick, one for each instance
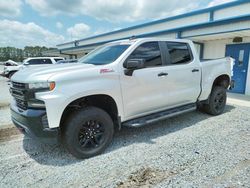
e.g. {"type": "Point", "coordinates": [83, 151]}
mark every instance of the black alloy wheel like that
{"type": "Point", "coordinates": [219, 101]}
{"type": "Point", "coordinates": [88, 132]}
{"type": "Point", "coordinates": [91, 134]}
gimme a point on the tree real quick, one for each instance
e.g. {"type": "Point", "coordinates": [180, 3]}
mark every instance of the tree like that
{"type": "Point", "coordinates": [19, 55]}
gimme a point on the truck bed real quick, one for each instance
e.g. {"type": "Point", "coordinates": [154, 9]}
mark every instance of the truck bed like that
{"type": "Point", "coordinates": [212, 69]}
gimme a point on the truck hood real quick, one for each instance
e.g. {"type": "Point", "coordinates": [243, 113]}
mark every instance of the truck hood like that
{"type": "Point", "coordinates": [39, 73]}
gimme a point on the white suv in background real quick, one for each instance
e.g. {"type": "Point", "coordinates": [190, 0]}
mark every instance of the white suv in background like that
{"type": "Point", "coordinates": [10, 70]}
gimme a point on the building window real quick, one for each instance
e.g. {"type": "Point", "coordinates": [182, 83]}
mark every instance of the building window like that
{"type": "Point", "coordinates": [241, 57]}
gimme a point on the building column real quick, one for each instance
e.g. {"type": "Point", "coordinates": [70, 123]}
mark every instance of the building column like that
{"type": "Point", "coordinates": [248, 78]}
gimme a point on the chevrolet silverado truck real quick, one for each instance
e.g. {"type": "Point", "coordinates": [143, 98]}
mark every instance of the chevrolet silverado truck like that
{"type": "Point", "coordinates": [8, 71]}
{"type": "Point", "coordinates": [123, 83]}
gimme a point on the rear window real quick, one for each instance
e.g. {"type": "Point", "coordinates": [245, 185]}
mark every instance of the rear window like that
{"type": "Point", "coordinates": [179, 53]}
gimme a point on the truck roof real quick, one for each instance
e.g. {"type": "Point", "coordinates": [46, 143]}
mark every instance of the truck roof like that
{"type": "Point", "coordinates": [133, 40]}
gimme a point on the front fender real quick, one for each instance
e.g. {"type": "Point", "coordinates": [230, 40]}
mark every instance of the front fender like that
{"type": "Point", "coordinates": [57, 101]}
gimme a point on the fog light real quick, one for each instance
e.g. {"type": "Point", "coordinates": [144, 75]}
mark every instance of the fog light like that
{"type": "Point", "coordinates": [36, 104]}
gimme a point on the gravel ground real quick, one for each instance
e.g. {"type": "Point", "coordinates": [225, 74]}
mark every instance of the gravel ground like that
{"type": "Point", "coordinates": [5, 120]}
{"type": "Point", "coordinates": [191, 150]}
{"type": "Point", "coordinates": [5, 96]}
{"type": "Point", "coordinates": [5, 99]}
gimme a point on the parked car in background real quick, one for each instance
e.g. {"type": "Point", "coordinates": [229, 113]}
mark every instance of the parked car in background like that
{"type": "Point", "coordinates": [10, 70]}
{"type": "Point", "coordinates": [129, 83]}
{"type": "Point", "coordinates": [11, 63]}
{"type": "Point", "coordinates": [67, 61]}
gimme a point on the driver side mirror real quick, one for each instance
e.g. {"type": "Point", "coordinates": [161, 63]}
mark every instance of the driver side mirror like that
{"type": "Point", "coordinates": [133, 64]}
{"type": "Point", "coordinates": [26, 63]}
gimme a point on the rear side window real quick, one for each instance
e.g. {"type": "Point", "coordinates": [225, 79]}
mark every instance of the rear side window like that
{"type": "Point", "coordinates": [179, 53]}
{"type": "Point", "coordinates": [57, 59]}
{"type": "Point", "coordinates": [39, 61]}
{"type": "Point", "coordinates": [47, 61]}
{"type": "Point", "coordinates": [150, 52]}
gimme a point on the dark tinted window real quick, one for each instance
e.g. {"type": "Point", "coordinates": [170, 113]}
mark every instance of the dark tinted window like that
{"type": "Point", "coordinates": [104, 55]}
{"type": "Point", "coordinates": [150, 52]}
{"type": "Point", "coordinates": [39, 61]}
{"type": "Point", "coordinates": [47, 61]}
{"type": "Point", "coordinates": [179, 53]}
{"type": "Point", "coordinates": [56, 59]}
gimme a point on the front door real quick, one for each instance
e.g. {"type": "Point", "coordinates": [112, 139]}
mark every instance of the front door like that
{"type": "Point", "coordinates": [240, 52]}
{"type": "Point", "coordinates": [143, 91]}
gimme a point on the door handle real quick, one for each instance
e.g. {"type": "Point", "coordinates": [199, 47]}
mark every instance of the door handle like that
{"type": "Point", "coordinates": [195, 70]}
{"type": "Point", "coordinates": [162, 74]}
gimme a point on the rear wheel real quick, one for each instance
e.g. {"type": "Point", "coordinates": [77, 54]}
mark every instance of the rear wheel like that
{"type": "Point", "coordinates": [88, 132]}
{"type": "Point", "coordinates": [217, 101]}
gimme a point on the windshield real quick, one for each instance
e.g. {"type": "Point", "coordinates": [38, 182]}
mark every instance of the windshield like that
{"type": "Point", "coordinates": [104, 55]}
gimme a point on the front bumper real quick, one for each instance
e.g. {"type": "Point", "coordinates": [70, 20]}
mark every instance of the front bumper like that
{"type": "Point", "coordinates": [31, 123]}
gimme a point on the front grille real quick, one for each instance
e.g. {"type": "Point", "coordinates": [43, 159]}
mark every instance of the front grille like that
{"type": "Point", "coordinates": [18, 85]}
{"type": "Point", "coordinates": [18, 91]}
{"type": "Point", "coordinates": [21, 104]}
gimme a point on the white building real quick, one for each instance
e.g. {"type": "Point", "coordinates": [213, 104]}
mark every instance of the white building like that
{"type": "Point", "coordinates": [218, 31]}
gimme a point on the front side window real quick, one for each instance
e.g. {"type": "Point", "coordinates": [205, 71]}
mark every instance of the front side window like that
{"type": "Point", "coordinates": [179, 53]}
{"type": "Point", "coordinates": [104, 55]}
{"type": "Point", "coordinates": [150, 52]}
{"type": "Point", "coordinates": [34, 62]}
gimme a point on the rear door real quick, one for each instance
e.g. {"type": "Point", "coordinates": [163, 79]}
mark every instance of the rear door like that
{"type": "Point", "coordinates": [184, 75]}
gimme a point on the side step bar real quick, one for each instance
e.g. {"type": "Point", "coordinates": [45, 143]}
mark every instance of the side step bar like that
{"type": "Point", "coordinates": [155, 117]}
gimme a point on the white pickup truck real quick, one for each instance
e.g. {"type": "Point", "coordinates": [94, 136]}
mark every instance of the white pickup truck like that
{"type": "Point", "coordinates": [124, 83]}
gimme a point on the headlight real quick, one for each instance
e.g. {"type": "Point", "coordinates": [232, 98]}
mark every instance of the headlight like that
{"type": "Point", "coordinates": [42, 85]}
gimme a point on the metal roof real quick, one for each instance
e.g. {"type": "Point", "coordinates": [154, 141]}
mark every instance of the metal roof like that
{"type": "Point", "coordinates": [197, 12]}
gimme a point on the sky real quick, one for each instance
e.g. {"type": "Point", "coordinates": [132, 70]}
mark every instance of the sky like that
{"type": "Point", "coordinates": [52, 22]}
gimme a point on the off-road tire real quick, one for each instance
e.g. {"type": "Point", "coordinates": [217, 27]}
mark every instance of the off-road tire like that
{"type": "Point", "coordinates": [217, 101]}
{"type": "Point", "coordinates": [77, 131]}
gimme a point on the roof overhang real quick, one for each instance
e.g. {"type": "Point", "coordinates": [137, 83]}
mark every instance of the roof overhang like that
{"type": "Point", "coordinates": [209, 10]}
{"type": "Point", "coordinates": [222, 35]}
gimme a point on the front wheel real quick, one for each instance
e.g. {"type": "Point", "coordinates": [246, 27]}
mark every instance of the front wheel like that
{"type": "Point", "coordinates": [88, 132]}
{"type": "Point", "coordinates": [217, 101]}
